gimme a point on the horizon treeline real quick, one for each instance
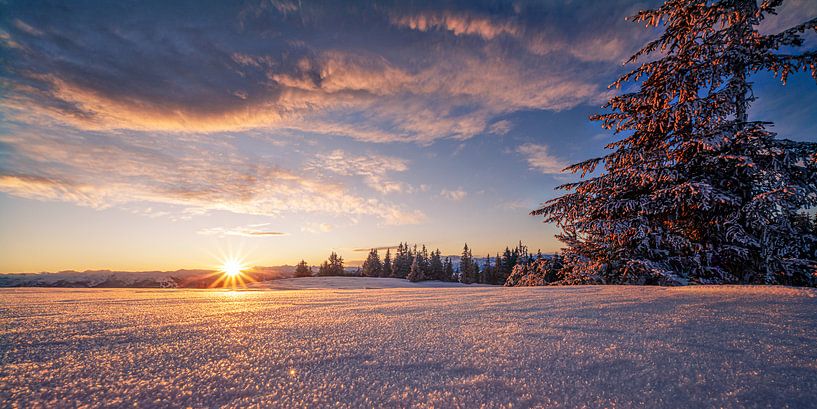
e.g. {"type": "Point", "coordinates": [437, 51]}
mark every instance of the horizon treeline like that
{"type": "Point", "coordinates": [417, 263]}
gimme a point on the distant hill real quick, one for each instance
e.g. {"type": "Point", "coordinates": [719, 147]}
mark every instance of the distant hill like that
{"type": "Point", "coordinates": [136, 279]}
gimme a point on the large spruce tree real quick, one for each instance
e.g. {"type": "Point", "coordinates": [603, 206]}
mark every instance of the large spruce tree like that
{"type": "Point", "coordinates": [693, 190]}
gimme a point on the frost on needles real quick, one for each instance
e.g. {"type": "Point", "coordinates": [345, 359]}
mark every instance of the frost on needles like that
{"type": "Point", "coordinates": [694, 191]}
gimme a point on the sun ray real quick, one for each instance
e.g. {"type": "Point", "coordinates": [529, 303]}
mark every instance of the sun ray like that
{"type": "Point", "coordinates": [233, 272]}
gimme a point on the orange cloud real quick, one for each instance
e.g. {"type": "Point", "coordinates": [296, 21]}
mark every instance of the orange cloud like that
{"type": "Point", "coordinates": [459, 24]}
{"type": "Point", "coordinates": [202, 173]}
{"type": "Point", "coordinates": [539, 158]}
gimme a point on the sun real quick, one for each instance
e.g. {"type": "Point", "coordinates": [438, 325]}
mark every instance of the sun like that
{"type": "Point", "coordinates": [232, 268]}
{"type": "Point", "coordinates": [232, 272]}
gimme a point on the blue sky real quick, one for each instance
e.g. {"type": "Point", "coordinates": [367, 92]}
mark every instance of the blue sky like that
{"type": "Point", "coordinates": [161, 135]}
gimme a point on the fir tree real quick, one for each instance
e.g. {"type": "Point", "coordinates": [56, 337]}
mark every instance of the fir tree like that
{"type": "Point", "coordinates": [332, 267]}
{"type": "Point", "coordinates": [387, 267]}
{"type": "Point", "coordinates": [303, 270]}
{"type": "Point", "coordinates": [694, 190]}
{"type": "Point", "coordinates": [416, 272]}
{"type": "Point", "coordinates": [436, 266]}
{"type": "Point", "coordinates": [372, 267]}
{"type": "Point", "coordinates": [448, 270]}
{"type": "Point", "coordinates": [402, 261]}
{"type": "Point", "coordinates": [467, 265]}
{"type": "Point", "coordinates": [488, 276]}
{"type": "Point", "coordinates": [424, 263]}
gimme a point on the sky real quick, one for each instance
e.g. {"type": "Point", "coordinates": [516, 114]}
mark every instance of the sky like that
{"type": "Point", "coordinates": [157, 135]}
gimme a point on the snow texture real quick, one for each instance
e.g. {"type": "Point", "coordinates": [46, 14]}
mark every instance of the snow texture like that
{"type": "Point", "coordinates": [467, 346]}
{"type": "Point", "coordinates": [352, 283]}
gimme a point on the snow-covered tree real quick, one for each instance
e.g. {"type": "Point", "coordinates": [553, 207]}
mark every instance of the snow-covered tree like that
{"type": "Point", "coordinates": [372, 267]}
{"type": "Point", "coordinates": [402, 261]}
{"type": "Point", "coordinates": [541, 271]}
{"type": "Point", "coordinates": [424, 262]}
{"type": "Point", "coordinates": [416, 272]}
{"type": "Point", "coordinates": [693, 190]}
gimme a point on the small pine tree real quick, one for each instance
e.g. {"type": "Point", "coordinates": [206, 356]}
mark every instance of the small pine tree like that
{"type": "Point", "coordinates": [303, 270]}
{"type": "Point", "coordinates": [448, 270]}
{"type": "Point", "coordinates": [372, 267]}
{"type": "Point", "coordinates": [387, 267]}
{"type": "Point", "coordinates": [436, 266]}
{"type": "Point", "coordinates": [416, 272]}
{"type": "Point", "coordinates": [488, 276]}
{"type": "Point", "coordinates": [332, 267]}
{"type": "Point", "coordinates": [466, 266]}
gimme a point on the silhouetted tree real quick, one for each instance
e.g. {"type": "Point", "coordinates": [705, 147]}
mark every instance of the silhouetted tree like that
{"type": "Point", "coordinates": [468, 267]}
{"type": "Point", "coordinates": [436, 266]}
{"type": "Point", "coordinates": [332, 267]}
{"type": "Point", "coordinates": [303, 270]}
{"type": "Point", "coordinates": [448, 270]}
{"type": "Point", "coordinates": [387, 267]}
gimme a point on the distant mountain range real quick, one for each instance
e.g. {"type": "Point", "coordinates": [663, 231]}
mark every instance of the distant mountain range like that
{"type": "Point", "coordinates": [136, 279]}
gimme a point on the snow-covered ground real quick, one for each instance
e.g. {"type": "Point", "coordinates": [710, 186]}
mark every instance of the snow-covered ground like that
{"type": "Point", "coordinates": [351, 283]}
{"type": "Point", "coordinates": [396, 347]}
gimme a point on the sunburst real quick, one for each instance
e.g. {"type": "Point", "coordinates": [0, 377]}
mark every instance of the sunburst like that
{"type": "Point", "coordinates": [232, 273]}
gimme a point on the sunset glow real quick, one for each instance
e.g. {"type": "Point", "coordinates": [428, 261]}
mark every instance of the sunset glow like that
{"type": "Point", "coordinates": [232, 272]}
{"type": "Point", "coordinates": [232, 268]}
{"type": "Point", "coordinates": [353, 126]}
{"type": "Point", "coordinates": [359, 203]}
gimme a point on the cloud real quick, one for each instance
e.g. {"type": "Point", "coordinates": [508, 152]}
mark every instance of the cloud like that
{"type": "Point", "coordinates": [454, 195]}
{"type": "Point", "coordinates": [539, 158]}
{"type": "Point", "coordinates": [94, 77]}
{"type": "Point", "coordinates": [500, 127]}
{"type": "Point", "coordinates": [197, 173]}
{"type": "Point", "coordinates": [252, 230]}
{"type": "Point", "coordinates": [373, 168]}
{"type": "Point", "coordinates": [378, 248]}
{"type": "Point", "coordinates": [459, 24]}
{"type": "Point", "coordinates": [106, 112]}
{"type": "Point", "coordinates": [604, 41]}
{"type": "Point", "coordinates": [317, 227]}
{"type": "Point", "coordinates": [789, 14]}
{"type": "Point", "coordinates": [515, 205]}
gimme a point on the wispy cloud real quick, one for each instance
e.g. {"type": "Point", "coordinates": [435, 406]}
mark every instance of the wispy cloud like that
{"type": "Point", "coordinates": [252, 230]}
{"type": "Point", "coordinates": [459, 24]}
{"type": "Point", "coordinates": [203, 173]}
{"type": "Point", "coordinates": [454, 195]}
{"type": "Point", "coordinates": [373, 168]}
{"type": "Point", "coordinates": [515, 205]}
{"type": "Point", "coordinates": [379, 248]}
{"type": "Point", "coordinates": [539, 158]}
{"type": "Point", "coordinates": [313, 227]}
{"type": "Point", "coordinates": [500, 127]}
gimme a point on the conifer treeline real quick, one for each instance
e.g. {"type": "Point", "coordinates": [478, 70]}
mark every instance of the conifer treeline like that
{"type": "Point", "coordinates": [419, 264]}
